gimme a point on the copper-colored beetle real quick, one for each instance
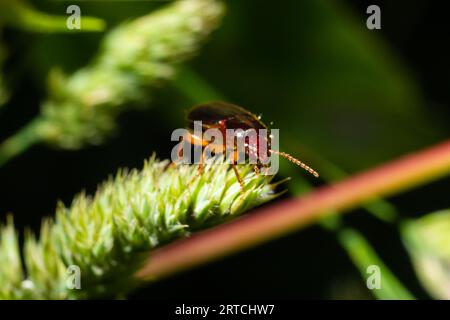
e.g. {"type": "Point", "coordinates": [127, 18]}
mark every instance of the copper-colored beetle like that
{"type": "Point", "coordinates": [223, 116]}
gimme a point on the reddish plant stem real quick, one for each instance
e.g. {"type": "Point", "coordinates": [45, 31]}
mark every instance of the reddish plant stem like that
{"type": "Point", "coordinates": [284, 217]}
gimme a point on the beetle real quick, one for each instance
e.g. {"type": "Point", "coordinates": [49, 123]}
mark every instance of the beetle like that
{"type": "Point", "coordinates": [223, 116]}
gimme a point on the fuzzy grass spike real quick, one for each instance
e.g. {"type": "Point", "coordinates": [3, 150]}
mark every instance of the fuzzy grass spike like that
{"type": "Point", "coordinates": [109, 235]}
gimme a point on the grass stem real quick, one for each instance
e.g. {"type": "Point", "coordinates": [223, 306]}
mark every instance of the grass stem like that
{"type": "Point", "coordinates": [19, 142]}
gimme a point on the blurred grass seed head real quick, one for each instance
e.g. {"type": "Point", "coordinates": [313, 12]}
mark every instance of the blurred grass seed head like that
{"type": "Point", "coordinates": [135, 58]}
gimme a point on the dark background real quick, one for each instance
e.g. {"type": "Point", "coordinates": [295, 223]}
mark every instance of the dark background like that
{"type": "Point", "coordinates": [356, 97]}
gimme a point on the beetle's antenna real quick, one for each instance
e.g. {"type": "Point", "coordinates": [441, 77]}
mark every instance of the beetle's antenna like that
{"type": "Point", "coordinates": [296, 161]}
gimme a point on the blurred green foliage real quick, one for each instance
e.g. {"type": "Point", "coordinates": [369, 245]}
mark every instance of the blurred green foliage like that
{"type": "Point", "coordinates": [334, 88]}
{"type": "Point", "coordinates": [428, 242]}
{"type": "Point", "coordinates": [135, 58]}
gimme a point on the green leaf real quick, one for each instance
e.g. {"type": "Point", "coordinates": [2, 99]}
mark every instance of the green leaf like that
{"type": "Point", "coordinates": [364, 256]}
{"type": "Point", "coordinates": [428, 242]}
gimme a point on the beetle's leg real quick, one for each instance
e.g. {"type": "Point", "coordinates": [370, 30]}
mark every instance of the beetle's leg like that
{"type": "Point", "coordinates": [171, 165]}
{"type": "Point", "coordinates": [180, 152]}
{"type": "Point", "coordinates": [266, 169]}
{"type": "Point", "coordinates": [199, 170]}
{"type": "Point", "coordinates": [202, 161]}
{"type": "Point", "coordinates": [241, 183]}
{"type": "Point", "coordinates": [256, 169]}
{"type": "Point", "coordinates": [236, 172]}
{"type": "Point", "coordinates": [252, 153]}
